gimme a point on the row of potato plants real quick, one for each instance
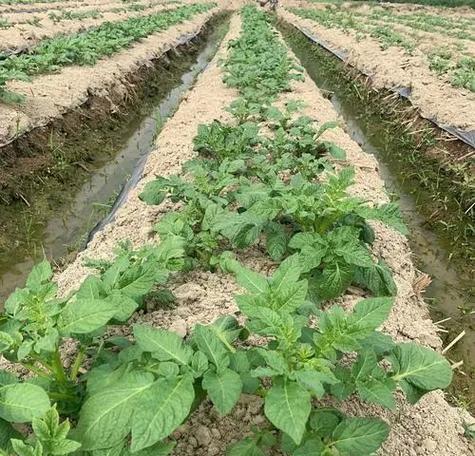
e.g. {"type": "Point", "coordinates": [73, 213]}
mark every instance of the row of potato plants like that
{"type": "Point", "coordinates": [260, 181]}
{"type": "Point", "coordinates": [87, 47]}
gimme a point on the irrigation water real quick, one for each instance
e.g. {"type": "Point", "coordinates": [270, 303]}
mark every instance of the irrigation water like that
{"type": "Point", "coordinates": [59, 220]}
{"type": "Point", "coordinates": [450, 295]}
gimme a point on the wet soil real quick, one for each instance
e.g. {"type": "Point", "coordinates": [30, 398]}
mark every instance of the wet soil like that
{"type": "Point", "coordinates": [394, 68]}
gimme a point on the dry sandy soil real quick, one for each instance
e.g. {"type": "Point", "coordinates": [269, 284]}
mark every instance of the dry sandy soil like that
{"type": "Point", "coordinates": [392, 68]}
{"type": "Point", "coordinates": [41, 10]}
{"type": "Point", "coordinates": [431, 428]}
{"type": "Point", "coordinates": [50, 96]}
{"type": "Point", "coordinates": [45, 6]}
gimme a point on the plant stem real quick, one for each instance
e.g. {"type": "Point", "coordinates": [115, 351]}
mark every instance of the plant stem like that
{"type": "Point", "coordinates": [77, 363]}
{"type": "Point", "coordinates": [55, 396]}
{"type": "Point", "coordinates": [58, 368]}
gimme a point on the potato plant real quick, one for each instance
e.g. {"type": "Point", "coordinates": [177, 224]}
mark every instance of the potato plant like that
{"type": "Point", "coordinates": [125, 395]}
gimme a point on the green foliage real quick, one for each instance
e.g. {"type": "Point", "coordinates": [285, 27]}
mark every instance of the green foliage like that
{"type": "Point", "coordinates": [86, 48]}
{"type": "Point", "coordinates": [258, 64]}
{"type": "Point", "coordinates": [33, 329]}
{"type": "Point", "coordinates": [276, 190]}
{"type": "Point", "coordinates": [464, 73]}
{"type": "Point", "coordinates": [69, 15]}
{"type": "Point", "coordinates": [306, 361]}
{"type": "Point", "coordinates": [49, 437]}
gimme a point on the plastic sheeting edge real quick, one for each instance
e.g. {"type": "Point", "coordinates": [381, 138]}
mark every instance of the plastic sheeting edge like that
{"type": "Point", "coordinates": [468, 137]}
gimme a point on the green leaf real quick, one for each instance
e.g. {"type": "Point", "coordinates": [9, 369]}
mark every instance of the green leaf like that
{"type": "Point", "coordinates": [252, 281]}
{"type": "Point", "coordinates": [287, 406]}
{"type": "Point", "coordinates": [164, 345]}
{"type": "Point", "coordinates": [199, 364]}
{"type": "Point", "coordinates": [275, 364]}
{"type": "Point", "coordinates": [137, 282]}
{"type": "Point", "coordinates": [104, 420]}
{"type": "Point", "coordinates": [124, 305]}
{"type": "Point", "coordinates": [116, 450]}
{"type": "Point", "coordinates": [7, 432]}
{"type": "Point", "coordinates": [161, 410]}
{"type": "Point", "coordinates": [369, 314]}
{"type": "Point", "coordinates": [48, 342]}
{"type": "Point", "coordinates": [40, 273]}
{"type": "Point", "coordinates": [354, 252]}
{"type": "Point", "coordinates": [153, 192]}
{"type": "Point", "coordinates": [378, 391]}
{"type": "Point", "coordinates": [21, 402]}
{"type": "Point", "coordinates": [159, 449]}
{"type": "Point", "coordinates": [327, 126]}
{"type": "Point", "coordinates": [312, 447]}
{"type": "Point", "coordinates": [359, 436]}
{"type": "Point", "coordinates": [91, 288]}
{"type": "Point", "coordinates": [312, 380]}
{"type": "Point", "coordinates": [209, 343]}
{"type": "Point", "coordinates": [323, 421]}
{"type": "Point", "coordinates": [84, 316]}
{"type": "Point", "coordinates": [387, 213]}
{"type": "Point", "coordinates": [377, 279]}
{"type": "Point", "coordinates": [226, 328]}
{"type": "Point", "coordinates": [334, 280]}
{"type": "Point", "coordinates": [6, 341]}
{"type": "Point", "coordinates": [371, 381]}
{"type": "Point", "coordinates": [334, 150]}
{"type": "Point", "coordinates": [22, 449]}
{"type": "Point", "coordinates": [421, 366]}
{"type": "Point", "coordinates": [286, 274]}
{"type": "Point", "coordinates": [224, 389]}
{"type": "Point", "coordinates": [413, 394]}
{"type": "Point", "coordinates": [246, 447]}
{"type": "Point", "coordinates": [290, 298]}
{"type": "Point", "coordinates": [64, 447]}
{"type": "Point", "coordinates": [276, 241]}
{"type": "Point", "coordinates": [7, 378]}
{"type": "Point", "coordinates": [241, 229]}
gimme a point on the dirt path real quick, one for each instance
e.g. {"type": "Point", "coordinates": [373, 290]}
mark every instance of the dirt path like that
{"type": "Point", "coordinates": [432, 428]}
{"type": "Point", "coordinates": [392, 68]}
{"type": "Point", "coordinates": [21, 37]}
{"type": "Point", "coordinates": [50, 96]}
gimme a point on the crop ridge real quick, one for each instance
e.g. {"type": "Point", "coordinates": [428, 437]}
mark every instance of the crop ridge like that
{"type": "Point", "coordinates": [49, 100]}
{"type": "Point", "coordinates": [450, 106]}
{"type": "Point", "coordinates": [23, 37]}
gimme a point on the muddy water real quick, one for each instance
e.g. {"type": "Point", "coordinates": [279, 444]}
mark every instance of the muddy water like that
{"type": "Point", "coordinates": [63, 218]}
{"type": "Point", "coordinates": [451, 294]}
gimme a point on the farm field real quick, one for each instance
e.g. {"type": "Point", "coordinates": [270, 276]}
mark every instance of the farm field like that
{"type": "Point", "coordinates": [253, 291]}
{"type": "Point", "coordinates": [20, 31]}
{"type": "Point", "coordinates": [429, 56]}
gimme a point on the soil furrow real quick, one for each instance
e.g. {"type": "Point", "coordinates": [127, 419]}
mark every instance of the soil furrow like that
{"type": "Point", "coordinates": [50, 96]}
{"type": "Point", "coordinates": [392, 68]}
